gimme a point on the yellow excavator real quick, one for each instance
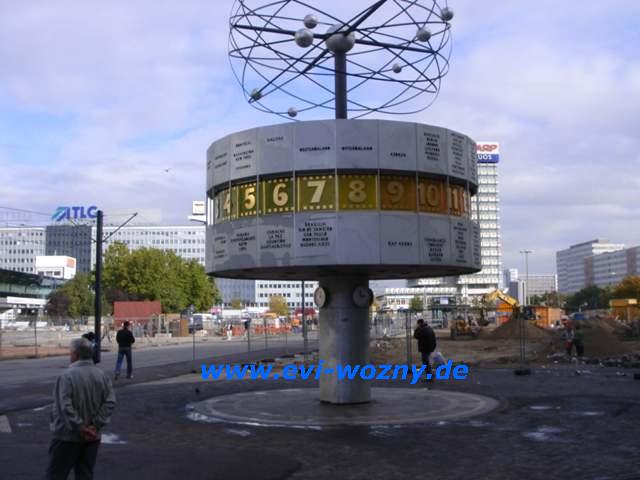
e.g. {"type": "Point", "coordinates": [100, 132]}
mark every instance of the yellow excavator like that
{"type": "Point", "coordinates": [469, 328]}
{"type": "Point", "coordinates": [505, 305]}
{"type": "Point", "coordinates": [498, 295]}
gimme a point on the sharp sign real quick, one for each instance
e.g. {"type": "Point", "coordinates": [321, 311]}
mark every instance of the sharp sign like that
{"type": "Point", "coordinates": [488, 152]}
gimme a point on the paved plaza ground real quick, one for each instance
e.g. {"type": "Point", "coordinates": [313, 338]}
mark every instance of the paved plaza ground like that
{"type": "Point", "coordinates": [560, 422]}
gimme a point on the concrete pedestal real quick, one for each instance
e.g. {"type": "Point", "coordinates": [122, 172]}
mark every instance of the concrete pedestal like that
{"type": "Point", "coordinates": [300, 408]}
{"type": "Point", "coordinates": [343, 339]}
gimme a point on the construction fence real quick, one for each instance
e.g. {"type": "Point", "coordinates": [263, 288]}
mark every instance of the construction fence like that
{"type": "Point", "coordinates": [31, 336]}
{"type": "Point", "coordinates": [40, 336]}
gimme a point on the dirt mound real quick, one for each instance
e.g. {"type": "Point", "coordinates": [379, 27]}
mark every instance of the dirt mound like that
{"type": "Point", "coordinates": [511, 331]}
{"type": "Point", "coordinates": [601, 340]}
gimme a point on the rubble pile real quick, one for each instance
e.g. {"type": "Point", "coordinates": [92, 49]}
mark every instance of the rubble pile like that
{"type": "Point", "coordinates": [511, 331]}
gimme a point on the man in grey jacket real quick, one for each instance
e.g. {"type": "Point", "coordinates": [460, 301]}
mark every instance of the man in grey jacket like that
{"type": "Point", "coordinates": [83, 401]}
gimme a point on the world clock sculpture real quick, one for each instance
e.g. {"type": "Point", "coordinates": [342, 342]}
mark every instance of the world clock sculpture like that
{"type": "Point", "coordinates": [341, 201]}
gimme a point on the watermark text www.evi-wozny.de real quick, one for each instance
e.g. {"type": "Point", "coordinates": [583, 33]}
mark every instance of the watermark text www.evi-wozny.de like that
{"type": "Point", "coordinates": [411, 373]}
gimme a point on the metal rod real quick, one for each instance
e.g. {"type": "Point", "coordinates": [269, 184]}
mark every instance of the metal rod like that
{"type": "Point", "coordinates": [120, 227]}
{"type": "Point", "coordinates": [35, 334]}
{"type": "Point", "coordinates": [264, 325]}
{"type": "Point", "coordinates": [193, 329]}
{"type": "Point", "coordinates": [249, 338]}
{"type": "Point", "coordinates": [408, 337]}
{"type": "Point", "coordinates": [526, 276]}
{"type": "Point", "coordinates": [359, 41]}
{"type": "Point", "coordinates": [340, 59]}
{"type": "Point", "coordinates": [305, 339]}
{"type": "Point", "coordinates": [526, 285]}
{"type": "Point", "coordinates": [391, 46]}
{"type": "Point", "coordinates": [98, 287]}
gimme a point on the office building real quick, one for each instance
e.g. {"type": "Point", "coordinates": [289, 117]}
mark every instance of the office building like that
{"type": "Point", "coordinates": [518, 285]}
{"type": "Point", "coordinates": [609, 269]}
{"type": "Point", "coordinates": [72, 241]}
{"type": "Point", "coordinates": [485, 209]}
{"type": "Point", "coordinates": [56, 267]}
{"type": "Point", "coordinates": [290, 290]}
{"type": "Point", "coordinates": [186, 241]}
{"type": "Point", "coordinates": [19, 247]}
{"type": "Point", "coordinates": [232, 289]}
{"type": "Point", "coordinates": [570, 263]}
{"type": "Point", "coordinates": [539, 284]}
{"type": "Point", "coordinates": [509, 275]}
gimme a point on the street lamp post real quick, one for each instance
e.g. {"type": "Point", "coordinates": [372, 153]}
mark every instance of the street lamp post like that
{"type": "Point", "coordinates": [526, 275]}
{"type": "Point", "coordinates": [192, 323]}
{"type": "Point", "coordinates": [524, 370]}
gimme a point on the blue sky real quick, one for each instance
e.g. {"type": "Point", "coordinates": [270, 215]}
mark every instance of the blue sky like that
{"type": "Point", "coordinates": [98, 99]}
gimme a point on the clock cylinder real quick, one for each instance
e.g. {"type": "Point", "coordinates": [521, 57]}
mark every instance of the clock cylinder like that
{"type": "Point", "coordinates": [375, 198]}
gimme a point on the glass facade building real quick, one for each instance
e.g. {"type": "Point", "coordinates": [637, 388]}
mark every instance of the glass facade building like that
{"type": "Point", "coordinates": [572, 266]}
{"type": "Point", "coordinates": [72, 241]}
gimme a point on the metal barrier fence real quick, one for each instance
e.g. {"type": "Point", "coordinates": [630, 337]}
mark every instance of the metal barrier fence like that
{"type": "Point", "coordinates": [30, 336]}
{"type": "Point", "coordinates": [42, 336]}
{"type": "Point", "coordinates": [395, 329]}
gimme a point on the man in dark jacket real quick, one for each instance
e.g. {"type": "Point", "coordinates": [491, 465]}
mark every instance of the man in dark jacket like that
{"type": "Point", "coordinates": [83, 401]}
{"type": "Point", "coordinates": [426, 342]}
{"type": "Point", "coordinates": [92, 338]}
{"type": "Point", "coordinates": [125, 339]}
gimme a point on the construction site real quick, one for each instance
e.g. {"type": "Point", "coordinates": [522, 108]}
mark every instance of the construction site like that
{"type": "Point", "coordinates": [503, 333]}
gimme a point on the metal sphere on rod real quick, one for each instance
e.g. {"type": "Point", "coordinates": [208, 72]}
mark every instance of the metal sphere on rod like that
{"type": "Point", "coordinates": [339, 42]}
{"type": "Point", "coordinates": [446, 14]}
{"type": "Point", "coordinates": [423, 35]}
{"type": "Point", "coordinates": [311, 21]}
{"type": "Point", "coordinates": [304, 38]}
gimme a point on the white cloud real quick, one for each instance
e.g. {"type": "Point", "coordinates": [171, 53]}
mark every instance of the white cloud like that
{"type": "Point", "coordinates": [146, 86]}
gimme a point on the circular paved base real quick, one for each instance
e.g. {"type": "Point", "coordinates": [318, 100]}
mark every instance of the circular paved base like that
{"type": "Point", "coordinates": [300, 407]}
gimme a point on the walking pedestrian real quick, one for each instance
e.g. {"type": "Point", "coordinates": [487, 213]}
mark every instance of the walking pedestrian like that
{"type": "Point", "coordinates": [247, 326]}
{"type": "Point", "coordinates": [125, 339]}
{"type": "Point", "coordinates": [568, 336]}
{"type": "Point", "coordinates": [229, 331]}
{"type": "Point", "coordinates": [426, 338]}
{"type": "Point", "coordinates": [83, 401]}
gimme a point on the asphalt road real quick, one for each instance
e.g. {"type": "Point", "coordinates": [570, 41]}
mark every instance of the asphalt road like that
{"type": "Point", "coordinates": [552, 425]}
{"type": "Point", "coordinates": [28, 383]}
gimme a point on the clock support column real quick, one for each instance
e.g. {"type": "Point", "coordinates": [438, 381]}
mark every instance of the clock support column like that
{"type": "Point", "coordinates": [343, 340]}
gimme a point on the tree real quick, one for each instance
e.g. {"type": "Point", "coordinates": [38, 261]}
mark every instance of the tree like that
{"type": "Point", "coordinates": [153, 274]}
{"type": "Point", "coordinates": [278, 304]}
{"type": "Point", "coordinates": [115, 275]}
{"type": "Point", "coordinates": [73, 299]}
{"type": "Point", "coordinates": [589, 298]}
{"type": "Point", "coordinates": [201, 289]}
{"type": "Point", "coordinates": [236, 303]}
{"type": "Point", "coordinates": [416, 304]}
{"type": "Point", "coordinates": [58, 304]}
{"type": "Point", "coordinates": [628, 288]}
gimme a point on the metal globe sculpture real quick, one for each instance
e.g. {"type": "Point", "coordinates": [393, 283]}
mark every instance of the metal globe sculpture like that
{"type": "Point", "coordinates": [292, 54]}
{"type": "Point", "coordinates": [342, 201]}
